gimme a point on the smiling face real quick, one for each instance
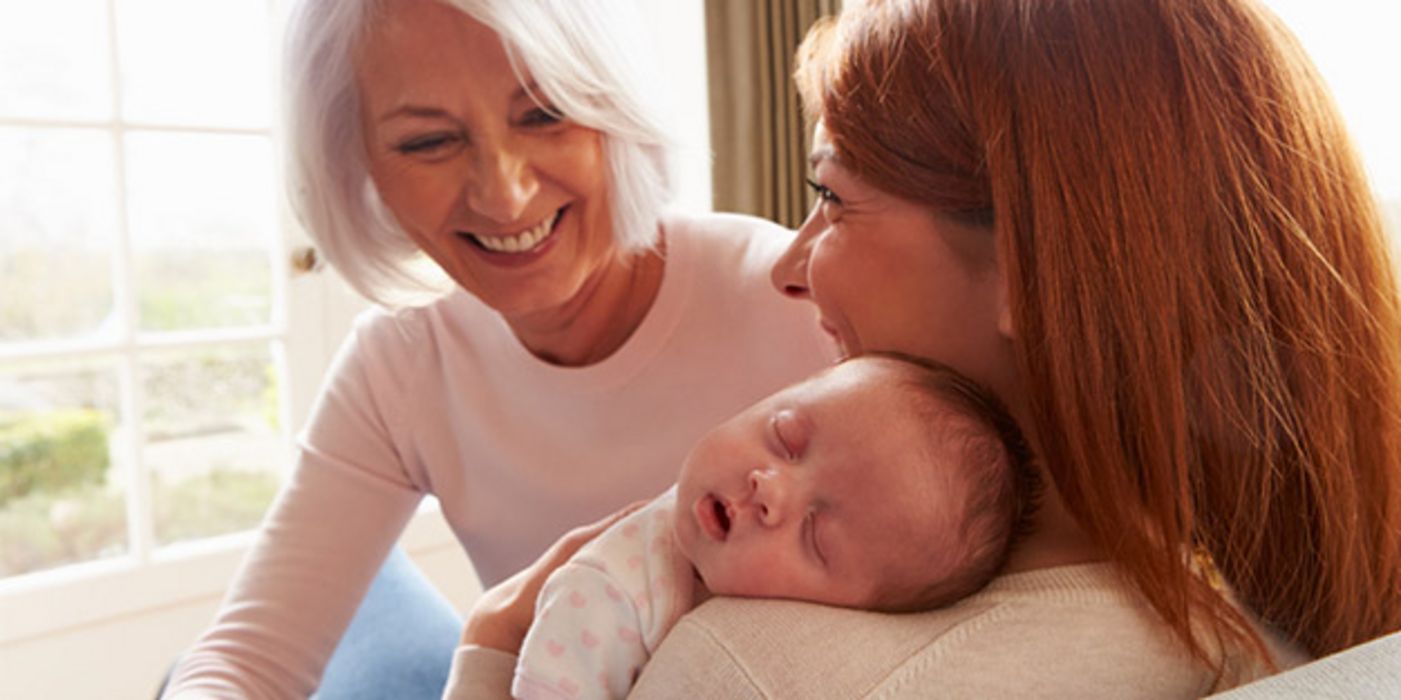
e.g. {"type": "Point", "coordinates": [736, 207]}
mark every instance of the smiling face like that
{"type": "Point", "coordinates": [507, 196]}
{"type": "Point", "coordinates": [827, 491]}
{"type": "Point", "coordinates": [887, 274]}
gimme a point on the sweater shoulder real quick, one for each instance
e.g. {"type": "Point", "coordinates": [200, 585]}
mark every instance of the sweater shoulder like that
{"type": "Point", "coordinates": [386, 329]}
{"type": "Point", "coordinates": [392, 352]}
{"type": "Point", "coordinates": [1086, 635]}
{"type": "Point", "coordinates": [413, 334]}
{"type": "Point", "coordinates": [731, 241]}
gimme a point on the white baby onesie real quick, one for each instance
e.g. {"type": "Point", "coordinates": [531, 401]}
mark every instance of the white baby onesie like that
{"type": "Point", "coordinates": [600, 616]}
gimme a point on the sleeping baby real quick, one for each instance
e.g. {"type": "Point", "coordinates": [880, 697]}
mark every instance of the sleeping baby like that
{"type": "Point", "coordinates": [883, 483]}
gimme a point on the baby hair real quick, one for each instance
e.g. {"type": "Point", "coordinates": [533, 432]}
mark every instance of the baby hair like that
{"type": "Point", "coordinates": [999, 486]}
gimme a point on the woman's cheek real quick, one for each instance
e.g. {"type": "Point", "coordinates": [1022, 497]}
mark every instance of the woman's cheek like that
{"type": "Point", "coordinates": [821, 261]}
{"type": "Point", "coordinates": [420, 201]}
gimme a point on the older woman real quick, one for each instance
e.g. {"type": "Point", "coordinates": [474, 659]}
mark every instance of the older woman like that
{"type": "Point", "coordinates": [1141, 223]}
{"type": "Point", "coordinates": [585, 340]}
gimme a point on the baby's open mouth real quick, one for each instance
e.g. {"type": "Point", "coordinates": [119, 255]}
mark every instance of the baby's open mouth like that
{"type": "Point", "coordinates": [713, 516]}
{"type": "Point", "coordinates": [722, 516]}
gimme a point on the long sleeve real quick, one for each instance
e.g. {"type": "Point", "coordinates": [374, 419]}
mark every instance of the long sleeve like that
{"type": "Point", "coordinates": [587, 641]}
{"type": "Point", "coordinates": [346, 502]}
{"type": "Point", "coordinates": [479, 673]}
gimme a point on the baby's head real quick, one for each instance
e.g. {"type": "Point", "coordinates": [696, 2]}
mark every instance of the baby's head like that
{"type": "Point", "coordinates": [883, 483]}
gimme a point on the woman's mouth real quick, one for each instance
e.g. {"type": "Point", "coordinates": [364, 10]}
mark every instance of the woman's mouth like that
{"type": "Point", "coordinates": [531, 240]}
{"type": "Point", "coordinates": [714, 517]}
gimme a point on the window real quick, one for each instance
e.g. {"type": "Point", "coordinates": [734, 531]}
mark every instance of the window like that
{"type": "Point", "coordinates": [144, 374]}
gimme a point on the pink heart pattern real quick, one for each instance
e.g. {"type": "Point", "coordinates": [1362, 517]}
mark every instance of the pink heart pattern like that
{"type": "Point", "coordinates": [568, 687]}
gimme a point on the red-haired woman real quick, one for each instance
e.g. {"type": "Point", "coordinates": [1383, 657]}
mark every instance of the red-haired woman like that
{"type": "Point", "coordinates": [1142, 224]}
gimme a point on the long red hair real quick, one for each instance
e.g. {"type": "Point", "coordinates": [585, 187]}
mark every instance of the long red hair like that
{"type": "Point", "coordinates": [1207, 315]}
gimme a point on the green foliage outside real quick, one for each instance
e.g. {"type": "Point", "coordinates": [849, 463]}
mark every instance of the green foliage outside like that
{"type": "Point", "coordinates": [272, 399]}
{"type": "Point", "coordinates": [60, 293]}
{"type": "Point", "coordinates": [62, 503]}
{"type": "Point", "coordinates": [204, 290]}
{"type": "Point", "coordinates": [57, 502]}
{"type": "Point", "coordinates": [220, 502]}
{"type": "Point", "coordinates": [51, 451]}
{"type": "Point", "coordinates": [211, 391]}
{"type": "Point", "coordinates": [53, 293]}
{"type": "Point", "coordinates": [44, 529]}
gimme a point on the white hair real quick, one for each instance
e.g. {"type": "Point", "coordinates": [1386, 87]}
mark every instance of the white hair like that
{"type": "Point", "coordinates": [582, 54]}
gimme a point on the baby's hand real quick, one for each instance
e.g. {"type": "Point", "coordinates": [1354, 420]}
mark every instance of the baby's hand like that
{"type": "Point", "coordinates": [502, 615]}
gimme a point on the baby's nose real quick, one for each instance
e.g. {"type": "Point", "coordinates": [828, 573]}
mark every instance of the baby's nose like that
{"type": "Point", "coordinates": [769, 496]}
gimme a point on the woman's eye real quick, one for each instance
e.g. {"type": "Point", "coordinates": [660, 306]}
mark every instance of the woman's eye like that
{"type": "Point", "coordinates": [824, 193]}
{"type": "Point", "coordinates": [542, 116]}
{"type": "Point", "coordinates": [424, 144]}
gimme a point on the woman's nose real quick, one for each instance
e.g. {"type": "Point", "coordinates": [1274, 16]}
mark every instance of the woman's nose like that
{"type": "Point", "coordinates": [790, 273]}
{"type": "Point", "coordinates": [770, 493]}
{"type": "Point", "coordinates": [503, 186]}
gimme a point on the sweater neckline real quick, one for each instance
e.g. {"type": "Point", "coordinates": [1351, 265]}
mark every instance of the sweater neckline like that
{"type": "Point", "coordinates": [634, 354]}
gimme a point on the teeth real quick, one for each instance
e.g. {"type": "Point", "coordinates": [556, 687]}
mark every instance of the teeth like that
{"type": "Point", "coordinates": [522, 242]}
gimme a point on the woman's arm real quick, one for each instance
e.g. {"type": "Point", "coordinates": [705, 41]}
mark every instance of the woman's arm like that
{"type": "Point", "coordinates": [342, 508]}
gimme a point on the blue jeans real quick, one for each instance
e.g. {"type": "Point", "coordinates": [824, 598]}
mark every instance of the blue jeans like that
{"type": "Point", "coordinates": [400, 643]}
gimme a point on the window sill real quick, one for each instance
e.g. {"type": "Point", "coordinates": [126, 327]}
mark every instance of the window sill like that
{"type": "Point", "coordinates": [47, 603]}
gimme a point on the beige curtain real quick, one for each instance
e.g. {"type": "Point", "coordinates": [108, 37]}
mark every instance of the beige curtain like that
{"type": "Point", "coordinates": [756, 124]}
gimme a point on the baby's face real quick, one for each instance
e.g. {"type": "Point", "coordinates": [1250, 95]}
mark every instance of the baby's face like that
{"type": "Point", "coordinates": [821, 492]}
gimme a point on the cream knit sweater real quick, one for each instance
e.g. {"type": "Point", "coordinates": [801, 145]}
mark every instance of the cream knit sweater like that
{"type": "Point", "coordinates": [1066, 632]}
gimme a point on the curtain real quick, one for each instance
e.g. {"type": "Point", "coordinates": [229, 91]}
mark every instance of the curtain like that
{"type": "Point", "coordinates": [757, 134]}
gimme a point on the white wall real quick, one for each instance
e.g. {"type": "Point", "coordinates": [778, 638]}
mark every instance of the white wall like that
{"type": "Point", "coordinates": [679, 36]}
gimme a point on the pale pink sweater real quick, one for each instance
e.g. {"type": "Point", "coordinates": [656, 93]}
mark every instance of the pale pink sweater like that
{"type": "Point", "coordinates": [444, 400]}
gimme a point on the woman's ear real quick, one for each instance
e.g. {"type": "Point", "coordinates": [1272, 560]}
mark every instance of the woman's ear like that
{"type": "Point", "coordinates": [1004, 311]}
{"type": "Point", "coordinates": [1005, 327]}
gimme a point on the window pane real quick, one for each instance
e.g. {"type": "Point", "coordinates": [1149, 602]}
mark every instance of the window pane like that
{"type": "Point", "coordinates": [55, 60]}
{"type": "Point", "coordinates": [60, 492]}
{"type": "Point", "coordinates": [58, 225]}
{"type": "Point", "coordinates": [202, 212]}
{"type": "Point", "coordinates": [214, 448]}
{"type": "Point", "coordinates": [202, 63]}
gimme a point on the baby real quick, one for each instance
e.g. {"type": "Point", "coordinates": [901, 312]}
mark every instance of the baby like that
{"type": "Point", "coordinates": [883, 483]}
